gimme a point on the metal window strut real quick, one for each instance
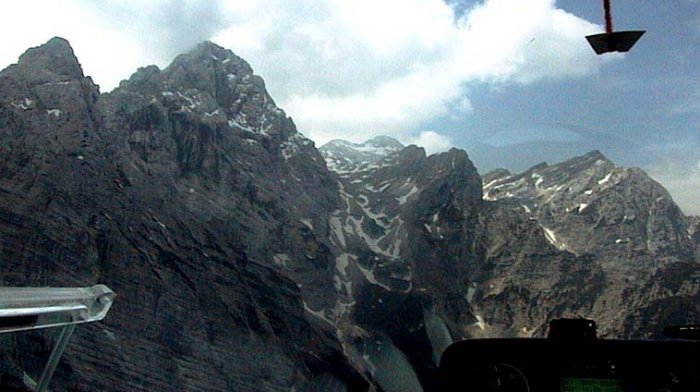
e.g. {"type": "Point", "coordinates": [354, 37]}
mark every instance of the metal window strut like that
{"type": "Point", "coordinates": [24, 309]}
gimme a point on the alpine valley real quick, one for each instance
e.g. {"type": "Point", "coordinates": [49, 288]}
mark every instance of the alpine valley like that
{"type": "Point", "coordinates": [245, 259]}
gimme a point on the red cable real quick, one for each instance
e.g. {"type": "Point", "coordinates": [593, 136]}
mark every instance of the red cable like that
{"type": "Point", "coordinates": [608, 17]}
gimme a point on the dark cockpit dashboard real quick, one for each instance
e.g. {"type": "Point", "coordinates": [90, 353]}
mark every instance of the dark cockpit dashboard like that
{"type": "Point", "coordinates": [571, 360]}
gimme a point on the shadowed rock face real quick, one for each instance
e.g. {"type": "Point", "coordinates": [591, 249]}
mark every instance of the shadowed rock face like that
{"type": "Point", "coordinates": [177, 190]}
{"type": "Point", "coordinates": [242, 263]}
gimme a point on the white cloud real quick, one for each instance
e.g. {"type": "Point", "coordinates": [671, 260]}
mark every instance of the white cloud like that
{"type": "Point", "coordinates": [433, 142]}
{"type": "Point", "coordinates": [340, 68]}
{"type": "Point", "coordinates": [369, 67]}
{"type": "Point", "coordinates": [464, 105]}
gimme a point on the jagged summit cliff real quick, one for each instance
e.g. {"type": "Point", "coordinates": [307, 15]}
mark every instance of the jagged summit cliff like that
{"type": "Point", "coordinates": [183, 190]}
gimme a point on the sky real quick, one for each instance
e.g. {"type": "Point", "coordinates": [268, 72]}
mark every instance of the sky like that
{"type": "Point", "coordinates": [513, 82]}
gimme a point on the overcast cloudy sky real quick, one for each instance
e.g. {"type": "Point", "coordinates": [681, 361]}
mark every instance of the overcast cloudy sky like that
{"type": "Point", "coordinates": [511, 81]}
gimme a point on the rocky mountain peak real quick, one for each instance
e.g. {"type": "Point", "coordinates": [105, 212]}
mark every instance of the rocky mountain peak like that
{"type": "Point", "coordinates": [595, 155]}
{"type": "Point", "coordinates": [210, 50]}
{"type": "Point", "coordinates": [576, 173]}
{"type": "Point", "coordinates": [620, 203]}
{"type": "Point", "coordinates": [47, 96]}
{"type": "Point", "coordinates": [207, 65]}
{"type": "Point", "coordinates": [588, 162]}
{"type": "Point", "coordinates": [190, 181]}
{"type": "Point", "coordinates": [55, 58]}
{"type": "Point", "coordinates": [384, 142]}
{"type": "Point", "coordinates": [345, 156]}
{"type": "Point", "coordinates": [211, 95]}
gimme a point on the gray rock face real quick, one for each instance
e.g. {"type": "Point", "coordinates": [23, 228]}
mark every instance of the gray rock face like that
{"type": "Point", "coordinates": [184, 190]}
{"type": "Point", "coordinates": [599, 208]}
{"type": "Point", "coordinates": [622, 220]}
{"type": "Point", "coordinates": [407, 239]}
{"type": "Point", "coordinates": [242, 263]}
{"type": "Point", "coordinates": [579, 239]}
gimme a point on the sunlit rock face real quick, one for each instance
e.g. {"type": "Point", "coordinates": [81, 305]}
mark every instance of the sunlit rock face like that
{"type": "Point", "coordinates": [246, 259]}
{"type": "Point", "coordinates": [502, 256]}
{"type": "Point", "coordinates": [627, 224]}
{"type": "Point", "coordinates": [345, 157]}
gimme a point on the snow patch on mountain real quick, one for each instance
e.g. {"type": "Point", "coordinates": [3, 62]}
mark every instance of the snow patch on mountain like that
{"type": "Point", "coordinates": [345, 157]}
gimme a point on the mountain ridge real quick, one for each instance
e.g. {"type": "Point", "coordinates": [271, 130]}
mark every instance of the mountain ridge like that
{"type": "Point", "coordinates": [228, 240]}
{"type": "Point", "coordinates": [167, 205]}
